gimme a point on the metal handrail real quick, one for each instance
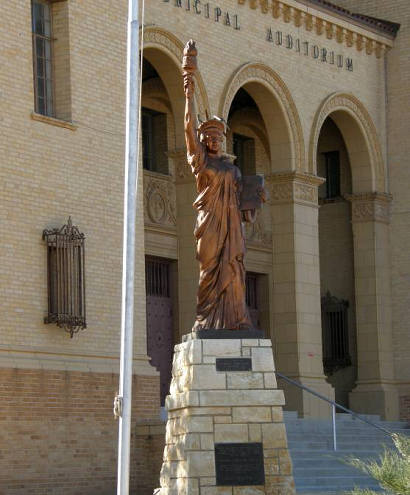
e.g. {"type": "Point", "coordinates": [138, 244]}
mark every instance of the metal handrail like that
{"type": "Point", "coordinates": [334, 406]}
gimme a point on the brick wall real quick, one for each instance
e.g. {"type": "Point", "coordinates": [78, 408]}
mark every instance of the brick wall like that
{"type": "Point", "coordinates": [58, 433]}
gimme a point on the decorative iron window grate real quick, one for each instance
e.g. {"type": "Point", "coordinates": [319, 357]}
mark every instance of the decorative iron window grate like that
{"type": "Point", "coordinates": [335, 334]}
{"type": "Point", "coordinates": [65, 278]}
{"type": "Point", "coordinates": [157, 278]}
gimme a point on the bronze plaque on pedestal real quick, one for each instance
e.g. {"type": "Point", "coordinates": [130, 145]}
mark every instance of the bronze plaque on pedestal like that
{"type": "Point", "coordinates": [233, 364]}
{"type": "Point", "coordinates": [239, 464]}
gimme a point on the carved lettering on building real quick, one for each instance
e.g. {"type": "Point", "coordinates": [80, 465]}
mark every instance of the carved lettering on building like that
{"type": "Point", "coordinates": [314, 51]}
{"type": "Point", "coordinates": [208, 11]}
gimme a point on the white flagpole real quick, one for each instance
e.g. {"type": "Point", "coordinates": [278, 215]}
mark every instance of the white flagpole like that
{"type": "Point", "coordinates": [122, 404]}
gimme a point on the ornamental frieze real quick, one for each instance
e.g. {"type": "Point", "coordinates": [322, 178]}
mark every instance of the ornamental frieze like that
{"type": "Point", "coordinates": [159, 200]}
{"type": "Point", "coordinates": [370, 207]}
{"type": "Point", "coordinates": [296, 187]}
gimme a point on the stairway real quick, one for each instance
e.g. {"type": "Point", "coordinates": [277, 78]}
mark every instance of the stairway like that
{"type": "Point", "coordinates": [317, 468]}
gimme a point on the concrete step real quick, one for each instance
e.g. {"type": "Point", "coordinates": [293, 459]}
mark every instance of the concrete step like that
{"type": "Point", "coordinates": [323, 462]}
{"type": "Point", "coordinates": [329, 455]}
{"type": "Point", "coordinates": [318, 469]}
{"type": "Point", "coordinates": [336, 482]}
{"type": "Point", "coordinates": [344, 447]}
{"type": "Point", "coordinates": [325, 471]}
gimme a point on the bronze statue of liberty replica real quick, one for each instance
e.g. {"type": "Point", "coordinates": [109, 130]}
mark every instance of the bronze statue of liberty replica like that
{"type": "Point", "coordinates": [221, 206]}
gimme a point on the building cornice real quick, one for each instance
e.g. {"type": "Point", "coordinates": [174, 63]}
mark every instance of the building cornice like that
{"type": "Point", "coordinates": [370, 35]}
{"type": "Point", "coordinates": [381, 26]}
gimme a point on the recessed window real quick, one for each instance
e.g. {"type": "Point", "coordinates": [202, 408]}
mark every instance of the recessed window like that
{"type": "Point", "coordinates": [154, 141]}
{"type": "Point", "coordinates": [51, 59]}
{"type": "Point", "coordinates": [332, 168]}
{"type": "Point", "coordinates": [66, 278]}
{"type": "Point", "coordinates": [42, 57]}
{"type": "Point", "coordinates": [244, 150]}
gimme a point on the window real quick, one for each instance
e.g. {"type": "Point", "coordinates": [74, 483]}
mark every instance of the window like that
{"type": "Point", "coordinates": [154, 141]}
{"type": "Point", "coordinates": [51, 59]}
{"type": "Point", "coordinates": [157, 278]}
{"type": "Point", "coordinates": [65, 278]}
{"type": "Point", "coordinates": [42, 57]}
{"type": "Point", "coordinates": [332, 164]}
{"type": "Point", "coordinates": [335, 335]}
{"type": "Point", "coordinates": [244, 150]}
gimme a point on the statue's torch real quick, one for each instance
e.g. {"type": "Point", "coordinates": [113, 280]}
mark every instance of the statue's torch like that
{"type": "Point", "coordinates": [189, 61]}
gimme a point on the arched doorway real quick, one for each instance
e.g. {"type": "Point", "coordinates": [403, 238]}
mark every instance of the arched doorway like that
{"type": "Point", "coordinates": [336, 263]}
{"type": "Point", "coordinates": [247, 142]}
{"type": "Point", "coordinates": [173, 192]}
{"type": "Point", "coordinates": [258, 106]}
{"type": "Point", "coordinates": [374, 390]}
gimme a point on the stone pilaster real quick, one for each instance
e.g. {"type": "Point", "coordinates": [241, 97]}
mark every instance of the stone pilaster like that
{"type": "Point", "coordinates": [375, 391]}
{"type": "Point", "coordinates": [296, 289]}
{"type": "Point", "coordinates": [141, 365]}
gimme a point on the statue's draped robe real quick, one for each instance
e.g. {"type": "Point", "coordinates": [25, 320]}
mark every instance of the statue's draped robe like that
{"type": "Point", "coordinates": [220, 244]}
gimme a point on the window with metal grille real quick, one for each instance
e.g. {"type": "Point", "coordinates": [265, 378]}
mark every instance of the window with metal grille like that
{"type": "Point", "coordinates": [332, 164]}
{"type": "Point", "coordinates": [154, 141]}
{"type": "Point", "coordinates": [66, 278]}
{"type": "Point", "coordinates": [157, 278]}
{"type": "Point", "coordinates": [244, 150]}
{"type": "Point", "coordinates": [335, 333]}
{"type": "Point", "coordinates": [42, 57]}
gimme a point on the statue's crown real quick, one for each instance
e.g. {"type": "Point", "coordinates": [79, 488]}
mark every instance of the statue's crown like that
{"type": "Point", "coordinates": [215, 124]}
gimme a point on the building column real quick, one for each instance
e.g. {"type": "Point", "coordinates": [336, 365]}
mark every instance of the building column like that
{"type": "Point", "coordinates": [375, 390]}
{"type": "Point", "coordinates": [141, 364]}
{"type": "Point", "coordinates": [296, 290]}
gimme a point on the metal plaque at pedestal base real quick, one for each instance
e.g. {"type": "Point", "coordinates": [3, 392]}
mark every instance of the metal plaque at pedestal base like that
{"type": "Point", "coordinates": [239, 464]}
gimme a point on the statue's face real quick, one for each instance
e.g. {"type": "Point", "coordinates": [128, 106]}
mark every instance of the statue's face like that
{"type": "Point", "coordinates": [213, 142]}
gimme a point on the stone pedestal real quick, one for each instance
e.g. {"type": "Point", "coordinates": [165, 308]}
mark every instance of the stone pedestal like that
{"type": "Point", "coordinates": [225, 433]}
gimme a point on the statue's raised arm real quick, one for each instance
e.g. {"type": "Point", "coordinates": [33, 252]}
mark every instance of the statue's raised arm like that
{"type": "Point", "coordinates": [189, 67]}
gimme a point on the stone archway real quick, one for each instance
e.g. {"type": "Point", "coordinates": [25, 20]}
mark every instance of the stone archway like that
{"type": "Point", "coordinates": [265, 86]}
{"type": "Point", "coordinates": [374, 391]}
{"type": "Point", "coordinates": [164, 51]}
{"type": "Point", "coordinates": [360, 135]}
{"type": "Point", "coordinates": [168, 52]}
{"type": "Point", "coordinates": [294, 287]}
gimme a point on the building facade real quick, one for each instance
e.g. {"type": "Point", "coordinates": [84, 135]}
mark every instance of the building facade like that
{"type": "Point", "coordinates": [316, 100]}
